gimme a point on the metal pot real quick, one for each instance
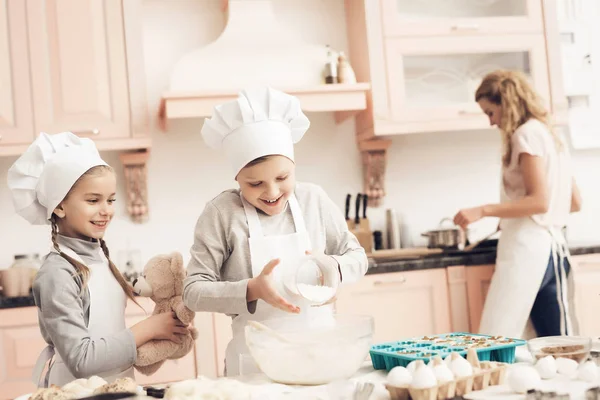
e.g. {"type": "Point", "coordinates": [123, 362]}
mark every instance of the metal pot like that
{"type": "Point", "coordinates": [449, 237]}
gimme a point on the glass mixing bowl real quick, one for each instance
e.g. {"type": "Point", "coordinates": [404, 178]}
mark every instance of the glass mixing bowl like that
{"type": "Point", "coordinates": [315, 351]}
{"type": "Point", "coordinates": [574, 347]}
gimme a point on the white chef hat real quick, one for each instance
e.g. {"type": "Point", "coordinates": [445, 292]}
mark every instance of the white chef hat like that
{"type": "Point", "coordinates": [260, 122]}
{"type": "Point", "coordinates": [41, 178]}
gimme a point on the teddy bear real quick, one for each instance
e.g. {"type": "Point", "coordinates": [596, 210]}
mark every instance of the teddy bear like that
{"type": "Point", "coordinates": [162, 281]}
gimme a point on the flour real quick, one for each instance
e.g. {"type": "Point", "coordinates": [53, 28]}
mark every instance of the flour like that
{"type": "Point", "coordinates": [313, 363]}
{"type": "Point", "coordinates": [316, 294]}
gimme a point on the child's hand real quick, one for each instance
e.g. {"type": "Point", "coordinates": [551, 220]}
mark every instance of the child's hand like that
{"type": "Point", "coordinates": [262, 287]}
{"type": "Point", "coordinates": [167, 326]}
{"type": "Point", "coordinates": [160, 326]}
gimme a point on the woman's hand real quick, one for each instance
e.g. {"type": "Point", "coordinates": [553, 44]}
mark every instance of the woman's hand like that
{"type": "Point", "coordinates": [262, 287]}
{"type": "Point", "coordinates": [467, 216]}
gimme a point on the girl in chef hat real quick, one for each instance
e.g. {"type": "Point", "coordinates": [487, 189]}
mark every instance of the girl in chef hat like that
{"type": "Point", "coordinates": [244, 234]}
{"type": "Point", "coordinates": [532, 277]}
{"type": "Point", "coordinates": [81, 296]}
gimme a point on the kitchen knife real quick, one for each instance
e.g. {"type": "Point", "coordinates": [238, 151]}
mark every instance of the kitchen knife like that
{"type": "Point", "coordinates": [357, 205]}
{"type": "Point", "coordinates": [349, 222]}
{"type": "Point", "coordinates": [364, 223]}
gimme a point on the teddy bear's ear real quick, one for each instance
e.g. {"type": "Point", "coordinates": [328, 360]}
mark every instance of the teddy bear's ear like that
{"type": "Point", "coordinates": [177, 266]}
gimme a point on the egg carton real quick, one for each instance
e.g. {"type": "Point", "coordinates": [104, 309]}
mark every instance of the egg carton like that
{"type": "Point", "coordinates": [488, 373]}
{"type": "Point", "coordinates": [401, 353]}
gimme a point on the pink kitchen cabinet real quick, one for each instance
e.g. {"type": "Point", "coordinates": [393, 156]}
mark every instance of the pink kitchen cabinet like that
{"type": "Point", "coordinates": [432, 81]}
{"type": "Point", "coordinates": [79, 67]}
{"type": "Point", "coordinates": [424, 73]}
{"type": "Point", "coordinates": [402, 303]}
{"type": "Point", "coordinates": [458, 298]}
{"type": "Point", "coordinates": [442, 17]}
{"type": "Point", "coordinates": [73, 65]}
{"type": "Point", "coordinates": [223, 334]}
{"type": "Point", "coordinates": [478, 284]}
{"type": "Point", "coordinates": [20, 346]}
{"type": "Point", "coordinates": [16, 124]}
{"type": "Point", "coordinates": [586, 269]}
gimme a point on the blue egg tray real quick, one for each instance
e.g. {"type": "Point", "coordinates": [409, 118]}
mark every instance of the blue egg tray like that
{"type": "Point", "coordinates": [489, 348]}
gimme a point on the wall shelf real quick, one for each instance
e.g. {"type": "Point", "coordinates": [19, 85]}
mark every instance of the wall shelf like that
{"type": "Point", "coordinates": [344, 100]}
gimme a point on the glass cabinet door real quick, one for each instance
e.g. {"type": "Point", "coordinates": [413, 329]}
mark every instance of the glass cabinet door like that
{"type": "Point", "coordinates": [460, 17]}
{"type": "Point", "coordinates": [435, 79]}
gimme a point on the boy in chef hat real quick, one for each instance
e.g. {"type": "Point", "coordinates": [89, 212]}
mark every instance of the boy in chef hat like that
{"type": "Point", "coordinates": [243, 234]}
{"type": "Point", "coordinates": [62, 181]}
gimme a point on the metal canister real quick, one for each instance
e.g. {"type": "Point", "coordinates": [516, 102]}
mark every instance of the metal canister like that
{"type": "Point", "coordinates": [392, 226]}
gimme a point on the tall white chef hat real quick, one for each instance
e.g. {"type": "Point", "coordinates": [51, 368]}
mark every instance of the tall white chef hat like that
{"type": "Point", "coordinates": [260, 122]}
{"type": "Point", "coordinates": [41, 178]}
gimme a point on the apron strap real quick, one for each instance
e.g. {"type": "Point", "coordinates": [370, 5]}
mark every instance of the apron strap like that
{"type": "Point", "coordinates": [297, 214]}
{"type": "Point", "coordinates": [560, 253]}
{"type": "Point", "coordinates": [44, 358]}
{"type": "Point", "coordinates": [254, 228]}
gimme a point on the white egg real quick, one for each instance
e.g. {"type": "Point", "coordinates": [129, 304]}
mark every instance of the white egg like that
{"type": "Point", "coordinates": [443, 374]}
{"type": "Point", "coordinates": [411, 367]}
{"type": "Point", "coordinates": [521, 378]}
{"type": "Point", "coordinates": [566, 366]}
{"type": "Point", "coordinates": [546, 367]}
{"type": "Point", "coordinates": [588, 372]}
{"type": "Point", "coordinates": [399, 376]}
{"type": "Point", "coordinates": [423, 378]}
{"type": "Point", "coordinates": [448, 360]}
{"type": "Point", "coordinates": [461, 368]}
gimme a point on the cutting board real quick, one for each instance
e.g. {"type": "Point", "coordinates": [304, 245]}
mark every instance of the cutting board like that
{"type": "Point", "coordinates": [398, 254]}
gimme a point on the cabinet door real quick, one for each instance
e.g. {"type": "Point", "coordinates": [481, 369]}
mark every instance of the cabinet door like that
{"type": "Point", "coordinates": [20, 345]}
{"type": "Point", "coordinates": [79, 68]}
{"type": "Point", "coordinates": [460, 17]}
{"type": "Point", "coordinates": [586, 269]}
{"type": "Point", "coordinates": [402, 304]}
{"type": "Point", "coordinates": [223, 335]}
{"type": "Point", "coordinates": [478, 284]}
{"type": "Point", "coordinates": [16, 119]}
{"type": "Point", "coordinates": [432, 82]}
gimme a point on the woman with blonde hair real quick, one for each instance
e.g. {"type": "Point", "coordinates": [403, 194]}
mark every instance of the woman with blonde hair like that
{"type": "Point", "coordinates": [531, 278]}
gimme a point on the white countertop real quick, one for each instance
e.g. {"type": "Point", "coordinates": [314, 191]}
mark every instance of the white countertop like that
{"type": "Point", "coordinates": [269, 390]}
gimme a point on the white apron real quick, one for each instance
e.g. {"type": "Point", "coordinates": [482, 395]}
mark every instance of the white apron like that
{"type": "Point", "coordinates": [107, 317]}
{"type": "Point", "coordinates": [288, 248]}
{"type": "Point", "coordinates": [522, 258]}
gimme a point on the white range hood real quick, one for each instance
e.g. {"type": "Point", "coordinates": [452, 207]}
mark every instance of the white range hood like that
{"type": "Point", "coordinates": [253, 50]}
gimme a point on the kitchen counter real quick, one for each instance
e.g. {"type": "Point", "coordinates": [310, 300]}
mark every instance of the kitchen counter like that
{"type": "Point", "coordinates": [13, 302]}
{"type": "Point", "coordinates": [481, 256]}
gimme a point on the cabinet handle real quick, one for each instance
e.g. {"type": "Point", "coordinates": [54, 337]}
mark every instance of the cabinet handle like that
{"type": "Point", "coordinates": [394, 282]}
{"type": "Point", "coordinates": [94, 132]}
{"type": "Point", "coordinates": [465, 27]}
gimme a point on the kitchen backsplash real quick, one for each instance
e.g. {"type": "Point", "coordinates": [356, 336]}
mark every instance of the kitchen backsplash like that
{"type": "Point", "coordinates": [428, 176]}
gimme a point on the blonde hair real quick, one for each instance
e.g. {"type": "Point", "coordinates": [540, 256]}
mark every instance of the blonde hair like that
{"type": "Point", "coordinates": [82, 270]}
{"type": "Point", "coordinates": [519, 103]}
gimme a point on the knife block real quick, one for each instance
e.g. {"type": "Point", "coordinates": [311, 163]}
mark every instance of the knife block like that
{"type": "Point", "coordinates": [364, 236]}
